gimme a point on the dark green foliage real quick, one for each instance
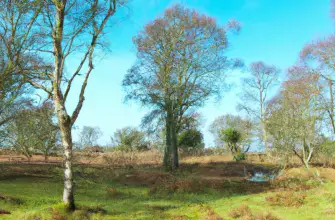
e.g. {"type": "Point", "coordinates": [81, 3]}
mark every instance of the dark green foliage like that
{"type": "Point", "coordinates": [233, 138]}
{"type": "Point", "coordinates": [239, 156]}
{"type": "Point", "coordinates": [190, 139]}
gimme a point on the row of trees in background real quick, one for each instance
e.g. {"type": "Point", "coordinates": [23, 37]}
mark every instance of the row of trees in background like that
{"type": "Point", "coordinates": [298, 119]}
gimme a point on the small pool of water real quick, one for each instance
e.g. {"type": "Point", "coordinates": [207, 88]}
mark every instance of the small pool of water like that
{"type": "Point", "coordinates": [261, 177]}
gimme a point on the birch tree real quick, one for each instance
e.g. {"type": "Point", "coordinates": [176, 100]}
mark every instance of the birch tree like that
{"type": "Point", "coordinates": [59, 30]}
{"type": "Point", "coordinates": [181, 63]}
{"type": "Point", "coordinates": [256, 91]}
{"type": "Point", "coordinates": [294, 116]}
{"type": "Point", "coordinates": [320, 57]}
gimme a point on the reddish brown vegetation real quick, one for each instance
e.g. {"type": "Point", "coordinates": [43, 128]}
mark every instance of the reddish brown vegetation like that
{"type": "Point", "coordinates": [242, 211]}
{"type": "Point", "coordinates": [56, 215]}
{"type": "Point", "coordinates": [287, 199]}
{"type": "Point", "coordinates": [3, 212]}
{"type": "Point", "coordinates": [212, 215]}
{"type": "Point", "coordinates": [245, 213]}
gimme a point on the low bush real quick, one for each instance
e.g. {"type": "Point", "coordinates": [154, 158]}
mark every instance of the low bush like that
{"type": "Point", "coordinates": [242, 211]}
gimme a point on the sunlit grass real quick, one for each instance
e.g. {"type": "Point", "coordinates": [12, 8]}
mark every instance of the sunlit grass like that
{"type": "Point", "coordinates": [104, 198]}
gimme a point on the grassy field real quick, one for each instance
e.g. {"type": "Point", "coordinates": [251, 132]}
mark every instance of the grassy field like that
{"type": "Point", "coordinates": [196, 191]}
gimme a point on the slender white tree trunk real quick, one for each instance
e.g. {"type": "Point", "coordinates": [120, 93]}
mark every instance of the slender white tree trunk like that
{"type": "Point", "coordinates": [65, 128]}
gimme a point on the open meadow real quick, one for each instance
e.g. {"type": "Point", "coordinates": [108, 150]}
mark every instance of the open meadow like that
{"type": "Point", "coordinates": [167, 109]}
{"type": "Point", "coordinates": [205, 187]}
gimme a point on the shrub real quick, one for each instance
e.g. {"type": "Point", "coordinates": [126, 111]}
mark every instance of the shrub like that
{"type": "Point", "coordinates": [239, 156]}
{"type": "Point", "coordinates": [190, 139]}
{"type": "Point", "coordinates": [233, 139]}
{"type": "Point", "coordinates": [242, 211]}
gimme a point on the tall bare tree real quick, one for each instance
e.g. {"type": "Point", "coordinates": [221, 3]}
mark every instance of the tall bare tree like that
{"type": "Point", "coordinates": [319, 56]}
{"type": "Point", "coordinates": [256, 91]}
{"type": "Point", "coordinates": [181, 62]}
{"type": "Point", "coordinates": [16, 23]}
{"type": "Point", "coordinates": [33, 130]}
{"type": "Point", "coordinates": [294, 116]}
{"type": "Point", "coordinates": [89, 136]}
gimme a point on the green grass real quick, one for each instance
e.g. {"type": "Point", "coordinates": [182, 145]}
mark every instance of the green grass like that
{"type": "Point", "coordinates": [41, 199]}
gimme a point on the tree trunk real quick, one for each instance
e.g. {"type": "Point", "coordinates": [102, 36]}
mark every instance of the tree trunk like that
{"type": "Point", "coordinates": [264, 136]}
{"type": "Point", "coordinates": [167, 163]}
{"type": "Point", "coordinates": [174, 144]}
{"type": "Point", "coordinates": [65, 125]}
{"type": "Point", "coordinates": [331, 110]}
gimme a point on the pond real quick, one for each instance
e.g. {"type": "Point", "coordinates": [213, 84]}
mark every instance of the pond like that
{"type": "Point", "coordinates": [261, 177]}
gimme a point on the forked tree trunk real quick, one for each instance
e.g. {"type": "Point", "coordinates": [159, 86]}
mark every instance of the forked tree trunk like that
{"type": "Point", "coordinates": [65, 125]}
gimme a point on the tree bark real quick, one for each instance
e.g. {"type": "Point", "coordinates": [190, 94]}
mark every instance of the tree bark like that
{"type": "Point", "coordinates": [174, 144]}
{"type": "Point", "coordinates": [265, 138]}
{"type": "Point", "coordinates": [167, 162]}
{"type": "Point", "coordinates": [65, 125]}
{"type": "Point", "coordinates": [331, 109]}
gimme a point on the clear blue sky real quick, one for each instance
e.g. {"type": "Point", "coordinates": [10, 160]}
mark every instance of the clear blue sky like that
{"type": "Point", "coordinates": [272, 31]}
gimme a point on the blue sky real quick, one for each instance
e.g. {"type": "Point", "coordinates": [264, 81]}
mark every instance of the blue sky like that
{"type": "Point", "coordinates": [272, 31]}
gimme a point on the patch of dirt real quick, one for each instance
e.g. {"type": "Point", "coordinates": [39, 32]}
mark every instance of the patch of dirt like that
{"type": "Point", "coordinates": [237, 170]}
{"type": "Point", "coordinates": [3, 212]}
{"type": "Point", "coordinates": [229, 177]}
